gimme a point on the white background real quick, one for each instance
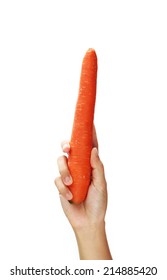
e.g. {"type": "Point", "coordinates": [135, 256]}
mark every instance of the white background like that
{"type": "Point", "coordinates": [42, 44]}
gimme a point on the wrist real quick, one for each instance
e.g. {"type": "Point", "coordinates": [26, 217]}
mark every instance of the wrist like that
{"type": "Point", "coordinates": [91, 230]}
{"type": "Point", "coordinates": [92, 242]}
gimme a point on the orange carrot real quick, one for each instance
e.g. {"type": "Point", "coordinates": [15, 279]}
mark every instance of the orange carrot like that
{"type": "Point", "coordinates": [81, 138]}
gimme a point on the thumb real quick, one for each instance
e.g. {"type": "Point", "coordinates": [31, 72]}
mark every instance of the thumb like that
{"type": "Point", "coordinates": [98, 176]}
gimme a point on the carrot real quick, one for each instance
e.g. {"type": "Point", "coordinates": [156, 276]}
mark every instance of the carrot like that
{"type": "Point", "coordinates": [81, 138]}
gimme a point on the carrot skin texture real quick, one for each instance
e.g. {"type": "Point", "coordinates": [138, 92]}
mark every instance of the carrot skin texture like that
{"type": "Point", "coordinates": [81, 137]}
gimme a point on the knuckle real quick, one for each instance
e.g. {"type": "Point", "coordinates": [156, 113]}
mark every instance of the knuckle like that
{"type": "Point", "coordinates": [59, 184]}
{"type": "Point", "coordinates": [57, 181]}
{"type": "Point", "coordinates": [64, 172]}
{"type": "Point", "coordinates": [59, 160]}
{"type": "Point", "coordinates": [62, 164]}
{"type": "Point", "coordinates": [61, 190]}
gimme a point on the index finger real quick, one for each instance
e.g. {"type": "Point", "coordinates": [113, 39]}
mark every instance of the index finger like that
{"type": "Point", "coordinates": [65, 145]}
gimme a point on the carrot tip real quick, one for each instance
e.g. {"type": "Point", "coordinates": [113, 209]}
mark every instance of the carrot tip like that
{"type": "Point", "coordinates": [90, 50]}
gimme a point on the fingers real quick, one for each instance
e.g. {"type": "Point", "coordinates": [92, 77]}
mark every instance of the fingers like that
{"type": "Point", "coordinates": [65, 178]}
{"type": "Point", "coordinates": [64, 171]}
{"type": "Point", "coordinates": [65, 146]}
{"type": "Point", "coordinates": [63, 190]}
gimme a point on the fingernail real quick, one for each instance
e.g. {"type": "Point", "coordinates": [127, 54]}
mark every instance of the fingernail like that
{"type": "Point", "coordinates": [68, 195]}
{"type": "Point", "coordinates": [66, 146]}
{"type": "Point", "coordinates": [67, 180]}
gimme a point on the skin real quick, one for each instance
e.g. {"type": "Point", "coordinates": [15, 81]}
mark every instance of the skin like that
{"type": "Point", "coordinates": [88, 218]}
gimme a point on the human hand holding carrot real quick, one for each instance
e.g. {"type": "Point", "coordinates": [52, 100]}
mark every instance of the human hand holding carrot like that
{"type": "Point", "coordinates": [82, 178]}
{"type": "Point", "coordinates": [87, 218]}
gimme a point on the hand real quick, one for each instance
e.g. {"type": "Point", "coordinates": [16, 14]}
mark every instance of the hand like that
{"type": "Point", "coordinates": [90, 213]}
{"type": "Point", "coordinates": [87, 218]}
